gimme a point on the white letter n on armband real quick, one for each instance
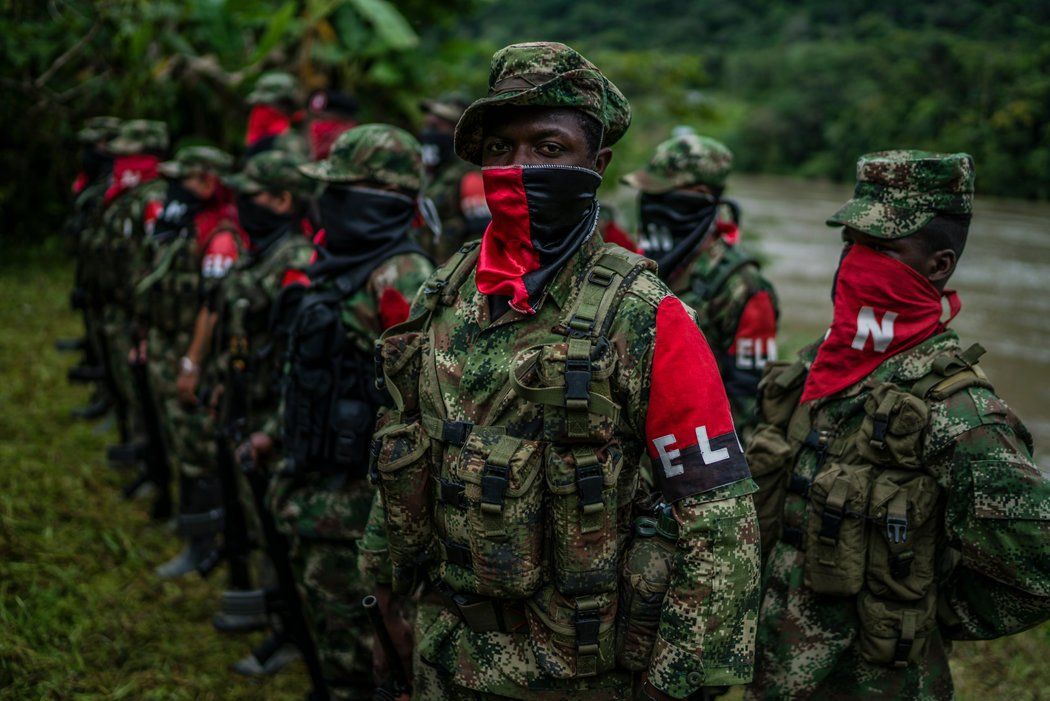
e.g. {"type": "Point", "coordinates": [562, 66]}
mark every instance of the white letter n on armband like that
{"type": "Point", "coordinates": [667, 457]}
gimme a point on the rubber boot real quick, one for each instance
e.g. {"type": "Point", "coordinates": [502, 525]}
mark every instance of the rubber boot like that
{"type": "Point", "coordinates": [269, 658]}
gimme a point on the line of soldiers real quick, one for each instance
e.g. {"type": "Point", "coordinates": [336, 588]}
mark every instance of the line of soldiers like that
{"type": "Point", "coordinates": [553, 467]}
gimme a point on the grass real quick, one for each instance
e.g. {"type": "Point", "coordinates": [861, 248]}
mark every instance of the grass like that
{"type": "Point", "coordinates": [81, 615]}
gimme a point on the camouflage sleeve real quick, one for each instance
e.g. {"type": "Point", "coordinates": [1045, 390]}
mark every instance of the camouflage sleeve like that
{"type": "Point", "coordinates": [394, 284]}
{"type": "Point", "coordinates": [997, 519]}
{"type": "Point", "coordinates": [373, 558]}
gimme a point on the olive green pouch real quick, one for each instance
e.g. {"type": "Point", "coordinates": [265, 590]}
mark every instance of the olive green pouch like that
{"type": "Point", "coordinates": [572, 637]}
{"type": "Point", "coordinates": [780, 389]}
{"type": "Point", "coordinates": [904, 516]}
{"type": "Point", "coordinates": [644, 584]}
{"type": "Point", "coordinates": [892, 633]}
{"type": "Point", "coordinates": [836, 531]}
{"type": "Point", "coordinates": [891, 432]}
{"type": "Point", "coordinates": [769, 456]}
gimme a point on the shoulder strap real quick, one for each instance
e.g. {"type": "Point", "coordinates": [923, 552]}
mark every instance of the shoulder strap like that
{"type": "Point", "coordinates": [706, 287]}
{"type": "Point", "coordinates": [951, 373]}
{"type": "Point", "coordinates": [443, 286]}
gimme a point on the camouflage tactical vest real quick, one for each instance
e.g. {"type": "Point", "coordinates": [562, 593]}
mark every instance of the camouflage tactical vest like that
{"type": "Point", "coordinates": [119, 243]}
{"type": "Point", "coordinates": [851, 492]}
{"type": "Point", "coordinates": [532, 505]}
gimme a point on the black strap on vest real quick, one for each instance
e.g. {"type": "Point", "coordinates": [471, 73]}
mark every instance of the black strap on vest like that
{"type": "Point", "coordinates": [706, 287]}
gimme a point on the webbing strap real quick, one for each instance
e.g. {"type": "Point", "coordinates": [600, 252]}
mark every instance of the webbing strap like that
{"type": "Point", "coordinates": [444, 284]}
{"type": "Point", "coordinates": [707, 287]}
{"type": "Point", "coordinates": [589, 485]}
{"type": "Point", "coordinates": [587, 621]}
{"type": "Point", "coordinates": [909, 628]}
{"type": "Point", "coordinates": [495, 478]}
{"type": "Point", "coordinates": [950, 373]}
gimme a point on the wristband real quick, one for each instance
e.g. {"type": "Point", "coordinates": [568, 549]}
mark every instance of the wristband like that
{"type": "Point", "coordinates": [187, 366]}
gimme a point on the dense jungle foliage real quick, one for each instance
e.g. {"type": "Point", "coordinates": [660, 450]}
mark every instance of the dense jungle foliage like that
{"type": "Point", "coordinates": [798, 88]}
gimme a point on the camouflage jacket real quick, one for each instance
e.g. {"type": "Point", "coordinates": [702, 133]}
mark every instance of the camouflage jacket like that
{"type": "Point", "coordinates": [120, 242]}
{"type": "Point", "coordinates": [244, 304]}
{"type": "Point", "coordinates": [458, 195]}
{"type": "Point", "coordinates": [317, 507]}
{"type": "Point", "coordinates": [707, 619]}
{"type": "Point", "coordinates": [992, 552]}
{"type": "Point", "coordinates": [738, 312]}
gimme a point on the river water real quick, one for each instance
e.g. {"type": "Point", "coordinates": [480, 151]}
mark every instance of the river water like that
{"type": "Point", "coordinates": [1002, 279]}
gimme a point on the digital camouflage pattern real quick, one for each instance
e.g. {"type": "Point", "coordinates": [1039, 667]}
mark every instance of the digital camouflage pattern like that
{"type": "Point", "coordinates": [992, 527]}
{"type": "Point", "coordinates": [325, 516]}
{"type": "Point", "coordinates": [98, 129]}
{"type": "Point", "coordinates": [682, 161]}
{"type": "Point", "coordinates": [195, 160]}
{"type": "Point", "coordinates": [544, 74]}
{"type": "Point", "coordinates": [374, 152]}
{"type": "Point", "coordinates": [272, 170]}
{"type": "Point", "coordinates": [899, 192]}
{"type": "Point", "coordinates": [719, 311]}
{"type": "Point", "coordinates": [140, 136]}
{"type": "Point", "coordinates": [707, 625]}
{"type": "Point", "coordinates": [274, 88]}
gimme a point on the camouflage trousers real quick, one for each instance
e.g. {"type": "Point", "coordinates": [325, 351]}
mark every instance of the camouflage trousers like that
{"type": "Point", "coordinates": [116, 330]}
{"type": "Point", "coordinates": [447, 656]}
{"type": "Point", "coordinates": [332, 587]}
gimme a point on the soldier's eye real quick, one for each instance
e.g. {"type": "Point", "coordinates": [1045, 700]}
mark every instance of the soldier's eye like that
{"type": "Point", "coordinates": [496, 146]}
{"type": "Point", "coordinates": [551, 149]}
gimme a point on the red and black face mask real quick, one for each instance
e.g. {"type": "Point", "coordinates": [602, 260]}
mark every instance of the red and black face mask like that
{"type": "Point", "coordinates": [882, 307]}
{"type": "Point", "coordinates": [541, 215]}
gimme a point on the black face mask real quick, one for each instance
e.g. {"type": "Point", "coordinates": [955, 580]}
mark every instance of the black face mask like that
{"type": "Point", "coordinates": [95, 163]}
{"type": "Point", "coordinates": [359, 221]}
{"type": "Point", "coordinates": [437, 147]}
{"type": "Point", "coordinates": [673, 225]}
{"type": "Point", "coordinates": [262, 224]}
{"type": "Point", "coordinates": [180, 208]}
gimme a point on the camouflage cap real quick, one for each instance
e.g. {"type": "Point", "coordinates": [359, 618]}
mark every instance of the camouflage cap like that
{"type": "Point", "coordinates": [271, 170]}
{"type": "Point", "coordinates": [899, 192]}
{"type": "Point", "coordinates": [274, 87]}
{"type": "Point", "coordinates": [193, 160]}
{"type": "Point", "coordinates": [449, 106]}
{"type": "Point", "coordinates": [681, 161]}
{"type": "Point", "coordinates": [376, 152]}
{"type": "Point", "coordinates": [544, 74]}
{"type": "Point", "coordinates": [138, 136]}
{"type": "Point", "coordinates": [98, 129]}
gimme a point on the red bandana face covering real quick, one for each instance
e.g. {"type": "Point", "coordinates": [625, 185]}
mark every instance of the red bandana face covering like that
{"type": "Point", "coordinates": [266, 121]}
{"type": "Point", "coordinates": [130, 172]}
{"type": "Point", "coordinates": [324, 132]}
{"type": "Point", "coordinates": [882, 307]}
{"type": "Point", "coordinates": [541, 215]}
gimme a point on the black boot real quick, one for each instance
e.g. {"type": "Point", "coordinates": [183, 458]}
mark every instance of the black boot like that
{"type": "Point", "coordinates": [86, 373]}
{"type": "Point", "coordinates": [70, 345]}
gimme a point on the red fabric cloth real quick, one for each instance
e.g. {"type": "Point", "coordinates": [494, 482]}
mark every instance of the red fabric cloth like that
{"type": "Point", "coordinates": [688, 427]}
{"type": "Point", "coordinates": [221, 253]}
{"type": "Point", "coordinates": [882, 307]}
{"type": "Point", "coordinates": [150, 213]}
{"type": "Point", "coordinates": [755, 342]}
{"type": "Point", "coordinates": [472, 195]}
{"type": "Point", "coordinates": [80, 183]}
{"type": "Point", "coordinates": [612, 233]}
{"type": "Point", "coordinates": [507, 253]}
{"type": "Point", "coordinates": [265, 121]}
{"type": "Point", "coordinates": [393, 308]}
{"type": "Point", "coordinates": [295, 277]}
{"type": "Point", "coordinates": [324, 132]}
{"type": "Point", "coordinates": [130, 172]}
{"type": "Point", "coordinates": [729, 232]}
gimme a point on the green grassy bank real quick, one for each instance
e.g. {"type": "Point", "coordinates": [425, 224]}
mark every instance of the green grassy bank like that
{"type": "Point", "coordinates": [81, 615]}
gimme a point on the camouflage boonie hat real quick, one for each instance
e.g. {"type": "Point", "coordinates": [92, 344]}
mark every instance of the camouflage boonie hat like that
{"type": "Point", "coordinates": [271, 170]}
{"type": "Point", "coordinates": [377, 152]}
{"type": "Point", "coordinates": [192, 160]}
{"type": "Point", "coordinates": [98, 129]}
{"type": "Point", "coordinates": [544, 74]}
{"type": "Point", "coordinates": [899, 192]}
{"type": "Point", "coordinates": [139, 135]}
{"type": "Point", "coordinates": [449, 106]}
{"type": "Point", "coordinates": [273, 88]}
{"type": "Point", "coordinates": [681, 161]}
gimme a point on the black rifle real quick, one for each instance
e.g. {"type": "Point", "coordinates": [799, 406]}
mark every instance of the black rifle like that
{"type": "Point", "coordinates": [284, 602]}
{"type": "Point", "coordinates": [158, 468]}
{"type": "Point", "coordinates": [398, 685]}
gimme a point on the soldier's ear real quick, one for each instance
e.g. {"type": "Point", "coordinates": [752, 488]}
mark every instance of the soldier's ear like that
{"type": "Point", "coordinates": [940, 266]}
{"type": "Point", "coordinates": [602, 160]}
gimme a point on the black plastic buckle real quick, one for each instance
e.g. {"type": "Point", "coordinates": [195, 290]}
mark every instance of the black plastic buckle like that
{"type": "Point", "coordinates": [377, 360]}
{"type": "Point", "coordinates": [799, 485]}
{"type": "Point", "coordinates": [878, 432]}
{"type": "Point", "coordinates": [455, 432]}
{"type": "Point", "coordinates": [493, 486]}
{"type": "Point", "coordinates": [830, 524]}
{"type": "Point", "coordinates": [900, 565]}
{"type": "Point", "coordinates": [587, 623]}
{"type": "Point", "coordinates": [580, 327]}
{"type": "Point", "coordinates": [577, 379]}
{"type": "Point", "coordinates": [451, 493]}
{"type": "Point", "coordinates": [458, 554]}
{"type": "Point", "coordinates": [601, 278]}
{"type": "Point", "coordinates": [792, 536]}
{"type": "Point", "coordinates": [589, 483]}
{"type": "Point", "coordinates": [902, 651]}
{"type": "Point", "coordinates": [897, 529]}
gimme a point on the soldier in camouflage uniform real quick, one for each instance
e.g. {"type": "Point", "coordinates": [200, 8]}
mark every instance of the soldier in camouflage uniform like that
{"type": "Point", "coordinates": [681, 190]}
{"type": "Point", "coordinates": [899, 504]}
{"type": "Point", "coordinates": [88, 190]}
{"type": "Point", "coordinates": [275, 100]}
{"type": "Point", "coordinates": [454, 185]}
{"type": "Point", "coordinates": [538, 370]}
{"type": "Point", "coordinates": [194, 243]}
{"type": "Point", "coordinates": [361, 284]}
{"type": "Point", "coordinates": [130, 206]}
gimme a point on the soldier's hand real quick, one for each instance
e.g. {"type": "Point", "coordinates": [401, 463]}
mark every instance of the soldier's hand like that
{"type": "Point", "coordinates": [186, 386]}
{"type": "Point", "coordinates": [259, 447]}
{"type": "Point", "coordinates": [400, 633]}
